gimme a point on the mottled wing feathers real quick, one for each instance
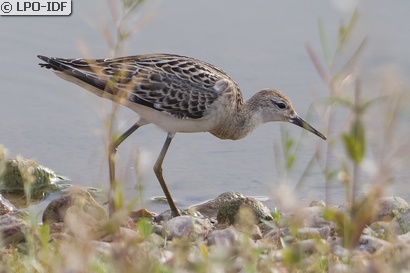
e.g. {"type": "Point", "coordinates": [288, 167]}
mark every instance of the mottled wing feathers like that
{"type": "Point", "coordinates": [180, 86]}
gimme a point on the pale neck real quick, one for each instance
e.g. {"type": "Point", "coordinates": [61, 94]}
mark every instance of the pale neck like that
{"type": "Point", "coordinates": [241, 123]}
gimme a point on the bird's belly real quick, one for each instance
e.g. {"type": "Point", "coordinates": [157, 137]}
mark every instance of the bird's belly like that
{"type": "Point", "coordinates": [170, 123]}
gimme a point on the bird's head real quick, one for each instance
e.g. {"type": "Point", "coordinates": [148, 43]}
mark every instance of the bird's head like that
{"type": "Point", "coordinates": [275, 106]}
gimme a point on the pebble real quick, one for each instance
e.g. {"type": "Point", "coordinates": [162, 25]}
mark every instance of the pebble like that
{"type": "Point", "coordinates": [309, 233]}
{"type": "Point", "coordinates": [389, 207]}
{"type": "Point", "coordinates": [226, 237]}
{"type": "Point", "coordinates": [305, 232]}
{"type": "Point", "coordinates": [6, 206]}
{"type": "Point", "coordinates": [401, 222]}
{"type": "Point", "coordinates": [56, 210]}
{"type": "Point", "coordinates": [243, 209]}
{"type": "Point", "coordinates": [310, 217]}
{"type": "Point", "coordinates": [211, 207]}
{"type": "Point", "coordinates": [12, 229]}
{"type": "Point", "coordinates": [187, 227]}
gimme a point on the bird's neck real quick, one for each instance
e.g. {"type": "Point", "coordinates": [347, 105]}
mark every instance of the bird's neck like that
{"type": "Point", "coordinates": [243, 121]}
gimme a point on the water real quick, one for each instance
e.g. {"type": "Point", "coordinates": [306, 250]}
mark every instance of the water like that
{"type": "Point", "coordinates": [259, 45]}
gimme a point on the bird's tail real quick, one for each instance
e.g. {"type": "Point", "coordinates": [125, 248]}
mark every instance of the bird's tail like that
{"type": "Point", "coordinates": [88, 74]}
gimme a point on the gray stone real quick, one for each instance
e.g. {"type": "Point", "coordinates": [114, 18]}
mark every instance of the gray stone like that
{"type": "Point", "coordinates": [317, 203]}
{"type": "Point", "coordinates": [340, 252]}
{"type": "Point", "coordinates": [6, 206]}
{"type": "Point", "coordinates": [187, 227]}
{"type": "Point", "coordinates": [310, 246]}
{"type": "Point", "coordinates": [310, 233]}
{"type": "Point", "coordinates": [335, 241]}
{"type": "Point", "coordinates": [12, 229]}
{"type": "Point", "coordinates": [19, 171]}
{"type": "Point", "coordinates": [210, 208]}
{"type": "Point", "coordinates": [389, 207]}
{"type": "Point", "coordinates": [401, 223]}
{"type": "Point", "coordinates": [227, 237]}
{"type": "Point", "coordinates": [310, 217]}
{"type": "Point", "coordinates": [274, 236]}
{"type": "Point", "coordinates": [167, 215]}
{"type": "Point", "coordinates": [371, 244]}
{"type": "Point", "coordinates": [83, 225]}
{"type": "Point", "coordinates": [378, 229]}
{"type": "Point", "coordinates": [56, 210]}
{"type": "Point", "coordinates": [403, 239]}
{"type": "Point", "coordinates": [229, 212]}
{"type": "Point", "coordinates": [339, 268]}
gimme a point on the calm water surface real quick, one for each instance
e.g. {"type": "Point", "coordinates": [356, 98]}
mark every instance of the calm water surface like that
{"type": "Point", "coordinates": [260, 44]}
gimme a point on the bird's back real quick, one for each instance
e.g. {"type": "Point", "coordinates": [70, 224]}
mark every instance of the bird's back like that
{"type": "Point", "coordinates": [181, 86]}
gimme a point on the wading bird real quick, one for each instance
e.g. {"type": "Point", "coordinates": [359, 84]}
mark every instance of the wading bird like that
{"type": "Point", "coordinates": [177, 94]}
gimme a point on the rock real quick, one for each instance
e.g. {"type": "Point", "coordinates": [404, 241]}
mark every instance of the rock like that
{"type": "Point", "coordinates": [187, 227]}
{"type": "Point", "coordinates": [310, 217]}
{"type": "Point", "coordinates": [56, 211]}
{"type": "Point", "coordinates": [371, 244]}
{"type": "Point", "coordinates": [256, 233]}
{"type": "Point", "coordinates": [339, 268]}
{"type": "Point", "coordinates": [126, 235]}
{"type": "Point", "coordinates": [310, 246]}
{"type": "Point", "coordinates": [79, 251]}
{"type": "Point", "coordinates": [335, 241]}
{"type": "Point", "coordinates": [129, 235]}
{"type": "Point", "coordinates": [232, 236]}
{"type": "Point", "coordinates": [167, 215]}
{"type": "Point", "coordinates": [6, 206]}
{"type": "Point", "coordinates": [83, 217]}
{"type": "Point", "coordinates": [101, 249]}
{"type": "Point", "coordinates": [210, 208]}
{"type": "Point", "coordinates": [317, 203]}
{"type": "Point", "coordinates": [226, 237]}
{"type": "Point", "coordinates": [142, 213]}
{"type": "Point", "coordinates": [275, 233]}
{"type": "Point", "coordinates": [12, 229]}
{"type": "Point", "coordinates": [360, 259]}
{"type": "Point", "coordinates": [157, 240]}
{"type": "Point", "coordinates": [56, 227]}
{"type": "Point", "coordinates": [389, 207]}
{"type": "Point", "coordinates": [311, 233]}
{"type": "Point", "coordinates": [157, 229]}
{"type": "Point", "coordinates": [277, 255]}
{"type": "Point", "coordinates": [401, 223]}
{"type": "Point", "coordinates": [267, 226]}
{"type": "Point", "coordinates": [340, 252]}
{"type": "Point", "coordinates": [164, 216]}
{"type": "Point", "coordinates": [378, 229]}
{"type": "Point", "coordinates": [83, 225]}
{"type": "Point", "coordinates": [19, 171]}
{"type": "Point", "coordinates": [403, 239]}
{"type": "Point", "coordinates": [229, 211]}
{"type": "Point", "coordinates": [167, 257]}
{"type": "Point", "coordinates": [274, 236]}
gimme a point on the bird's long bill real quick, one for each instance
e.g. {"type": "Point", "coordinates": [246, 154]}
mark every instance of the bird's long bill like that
{"type": "Point", "coordinates": [300, 122]}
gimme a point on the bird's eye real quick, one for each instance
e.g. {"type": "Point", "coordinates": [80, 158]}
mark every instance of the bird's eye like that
{"type": "Point", "coordinates": [281, 105]}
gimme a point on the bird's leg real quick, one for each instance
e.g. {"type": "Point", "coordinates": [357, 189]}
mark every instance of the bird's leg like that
{"type": "Point", "coordinates": [158, 173]}
{"type": "Point", "coordinates": [111, 162]}
{"type": "Point", "coordinates": [126, 134]}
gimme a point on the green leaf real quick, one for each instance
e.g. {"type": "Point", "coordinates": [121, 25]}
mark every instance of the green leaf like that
{"type": "Point", "coordinates": [355, 142]}
{"type": "Point", "coordinates": [346, 30]}
{"type": "Point", "coordinates": [144, 227]}
{"type": "Point", "coordinates": [276, 215]}
{"type": "Point", "coordinates": [290, 161]}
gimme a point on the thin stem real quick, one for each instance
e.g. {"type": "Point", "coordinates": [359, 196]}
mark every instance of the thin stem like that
{"type": "Point", "coordinates": [357, 113]}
